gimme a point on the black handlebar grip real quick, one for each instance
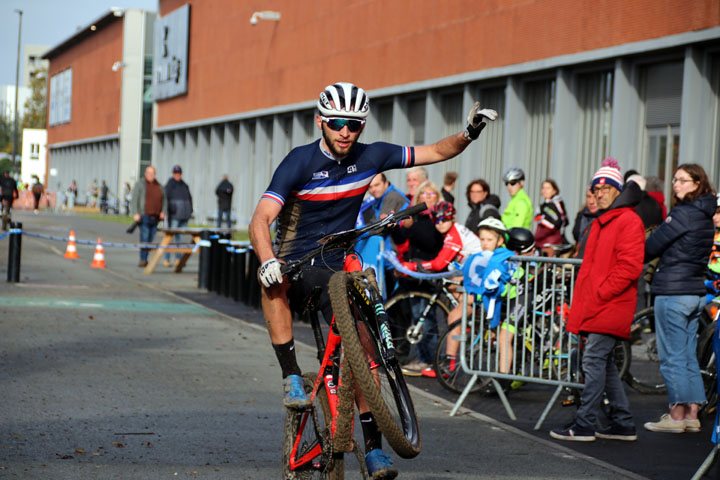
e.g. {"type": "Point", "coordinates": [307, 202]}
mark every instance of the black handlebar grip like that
{"type": "Point", "coordinates": [409, 212]}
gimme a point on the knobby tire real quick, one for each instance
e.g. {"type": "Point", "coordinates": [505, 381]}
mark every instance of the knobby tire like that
{"type": "Point", "coordinates": [402, 433]}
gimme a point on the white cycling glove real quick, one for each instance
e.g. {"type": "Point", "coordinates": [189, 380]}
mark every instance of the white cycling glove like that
{"type": "Point", "coordinates": [476, 119]}
{"type": "Point", "coordinates": [269, 273]}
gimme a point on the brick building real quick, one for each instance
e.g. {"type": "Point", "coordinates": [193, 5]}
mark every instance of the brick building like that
{"type": "Point", "coordinates": [574, 82]}
{"type": "Point", "coordinates": [99, 117]}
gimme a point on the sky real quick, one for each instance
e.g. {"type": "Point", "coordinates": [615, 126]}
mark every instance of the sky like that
{"type": "Point", "coordinates": [49, 22]}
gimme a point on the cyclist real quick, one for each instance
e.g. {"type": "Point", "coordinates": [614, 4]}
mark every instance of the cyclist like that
{"type": "Point", "coordinates": [8, 192]}
{"type": "Point", "coordinates": [317, 190]}
{"type": "Point", "coordinates": [519, 212]}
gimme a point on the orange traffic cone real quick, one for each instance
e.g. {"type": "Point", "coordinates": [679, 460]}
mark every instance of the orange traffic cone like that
{"type": "Point", "coordinates": [71, 250]}
{"type": "Point", "coordinates": [99, 257]}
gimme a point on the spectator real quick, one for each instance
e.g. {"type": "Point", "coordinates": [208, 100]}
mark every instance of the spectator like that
{"type": "Point", "coordinates": [683, 242]}
{"type": "Point", "coordinates": [92, 193]}
{"type": "Point", "coordinates": [714, 262]}
{"type": "Point", "coordinates": [37, 191]}
{"type": "Point", "coordinates": [648, 209]}
{"type": "Point", "coordinates": [148, 206]}
{"type": "Point", "coordinates": [72, 195]}
{"type": "Point", "coordinates": [423, 242]}
{"type": "Point", "coordinates": [654, 187]}
{"type": "Point", "coordinates": [448, 186]}
{"type": "Point", "coordinates": [8, 189]}
{"type": "Point", "coordinates": [127, 197]}
{"type": "Point", "coordinates": [551, 218]}
{"type": "Point", "coordinates": [415, 176]}
{"type": "Point", "coordinates": [103, 197]}
{"type": "Point", "coordinates": [224, 192]}
{"type": "Point", "coordinates": [180, 208]}
{"type": "Point", "coordinates": [519, 212]}
{"type": "Point", "coordinates": [585, 216]}
{"type": "Point", "coordinates": [388, 199]}
{"type": "Point", "coordinates": [482, 203]}
{"type": "Point", "coordinates": [603, 305]}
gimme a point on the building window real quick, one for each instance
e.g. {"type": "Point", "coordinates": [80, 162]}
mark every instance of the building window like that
{"type": "Point", "coordinates": [384, 113]}
{"type": "Point", "coordinates": [491, 144]}
{"type": "Point", "coordinates": [34, 151]}
{"type": "Point", "coordinates": [540, 106]}
{"type": "Point", "coordinates": [60, 97]}
{"type": "Point", "coordinates": [663, 100]}
{"type": "Point", "coordinates": [594, 97]}
{"type": "Point", "coordinates": [416, 117]}
{"type": "Point", "coordinates": [452, 114]}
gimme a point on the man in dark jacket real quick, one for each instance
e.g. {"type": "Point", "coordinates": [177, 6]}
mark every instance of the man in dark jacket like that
{"type": "Point", "coordinates": [224, 192]}
{"type": "Point", "coordinates": [603, 305]}
{"type": "Point", "coordinates": [179, 203]}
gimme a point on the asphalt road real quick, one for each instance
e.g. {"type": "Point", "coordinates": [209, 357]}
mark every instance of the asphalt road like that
{"type": "Point", "coordinates": [114, 374]}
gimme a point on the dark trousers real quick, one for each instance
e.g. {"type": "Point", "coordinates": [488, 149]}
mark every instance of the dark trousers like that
{"type": "Point", "coordinates": [148, 228]}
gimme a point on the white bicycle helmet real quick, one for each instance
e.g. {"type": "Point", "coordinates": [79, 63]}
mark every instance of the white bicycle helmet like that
{"type": "Point", "coordinates": [513, 174]}
{"type": "Point", "coordinates": [495, 225]}
{"type": "Point", "coordinates": [348, 101]}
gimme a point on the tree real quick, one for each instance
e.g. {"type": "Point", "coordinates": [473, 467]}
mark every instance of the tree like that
{"type": "Point", "coordinates": [6, 134]}
{"type": "Point", "coordinates": [36, 105]}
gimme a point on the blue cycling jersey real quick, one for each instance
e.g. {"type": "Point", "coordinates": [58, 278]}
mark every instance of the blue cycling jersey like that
{"type": "Point", "coordinates": [320, 195]}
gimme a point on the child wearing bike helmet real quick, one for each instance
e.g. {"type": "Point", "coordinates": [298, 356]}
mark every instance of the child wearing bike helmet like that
{"type": "Point", "coordinates": [496, 271]}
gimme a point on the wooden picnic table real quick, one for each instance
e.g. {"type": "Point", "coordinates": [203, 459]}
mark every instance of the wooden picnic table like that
{"type": "Point", "coordinates": [165, 245]}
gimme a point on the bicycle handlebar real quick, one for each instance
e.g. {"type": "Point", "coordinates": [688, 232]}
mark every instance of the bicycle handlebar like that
{"type": "Point", "coordinates": [346, 239]}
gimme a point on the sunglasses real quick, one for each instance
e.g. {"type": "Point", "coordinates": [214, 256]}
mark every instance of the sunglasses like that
{"type": "Point", "coordinates": [337, 124]}
{"type": "Point", "coordinates": [511, 183]}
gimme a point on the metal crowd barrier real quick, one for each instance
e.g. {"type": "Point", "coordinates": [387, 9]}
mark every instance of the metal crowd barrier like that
{"type": "Point", "coordinates": [534, 310]}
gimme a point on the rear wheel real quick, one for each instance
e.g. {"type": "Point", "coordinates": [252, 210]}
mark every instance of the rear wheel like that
{"type": "Point", "coordinates": [449, 372]}
{"type": "Point", "coordinates": [404, 311]}
{"type": "Point", "coordinates": [644, 373]}
{"type": "Point", "coordinates": [315, 432]}
{"type": "Point", "coordinates": [377, 372]}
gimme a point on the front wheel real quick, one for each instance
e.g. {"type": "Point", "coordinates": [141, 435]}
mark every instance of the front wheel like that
{"type": "Point", "coordinates": [368, 348]}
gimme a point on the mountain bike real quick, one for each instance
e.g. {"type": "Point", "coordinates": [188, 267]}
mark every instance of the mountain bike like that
{"type": "Point", "coordinates": [358, 353]}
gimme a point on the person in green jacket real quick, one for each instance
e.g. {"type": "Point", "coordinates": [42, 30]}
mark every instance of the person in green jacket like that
{"type": "Point", "coordinates": [519, 212]}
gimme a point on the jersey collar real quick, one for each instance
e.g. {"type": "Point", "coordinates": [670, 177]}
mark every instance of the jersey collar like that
{"type": "Point", "coordinates": [328, 153]}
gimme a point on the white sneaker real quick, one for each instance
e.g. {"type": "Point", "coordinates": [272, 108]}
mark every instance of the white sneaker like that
{"type": "Point", "coordinates": [666, 424]}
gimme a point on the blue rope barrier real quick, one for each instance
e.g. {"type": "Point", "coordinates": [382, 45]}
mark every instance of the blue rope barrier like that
{"type": "Point", "coordinates": [390, 257]}
{"type": "Point", "coordinates": [194, 246]}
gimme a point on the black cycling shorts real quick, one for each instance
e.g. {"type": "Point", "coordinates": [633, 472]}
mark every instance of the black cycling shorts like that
{"type": "Point", "coordinates": [300, 290]}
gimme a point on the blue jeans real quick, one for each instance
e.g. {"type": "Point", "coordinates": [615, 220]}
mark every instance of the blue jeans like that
{"type": "Point", "coordinates": [224, 214]}
{"type": "Point", "coordinates": [148, 227]}
{"type": "Point", "coordinates": [676, 325]}
{"type": "Point", "coordinates": [173, 223]}
{"type": "Point", "coordinates": [601, 375]}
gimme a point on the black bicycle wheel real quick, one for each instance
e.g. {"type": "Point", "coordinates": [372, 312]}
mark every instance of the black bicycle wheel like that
{"type": "Point", "coordinates": [404, 310]}
{"type": "Point", "coordinates": [329, 465]}
{"type": "Point", "coordinates": [644, 372]}
{"type": "Point", "coordinates": [708, 367]}
{"type": "Point", "coordinates": [377, 373]}
{"type": "Point", "coordinates": [449, 372]}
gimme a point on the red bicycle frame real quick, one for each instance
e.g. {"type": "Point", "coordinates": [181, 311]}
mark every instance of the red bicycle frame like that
{"type": "Point", "coordinates": [324, 380]}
